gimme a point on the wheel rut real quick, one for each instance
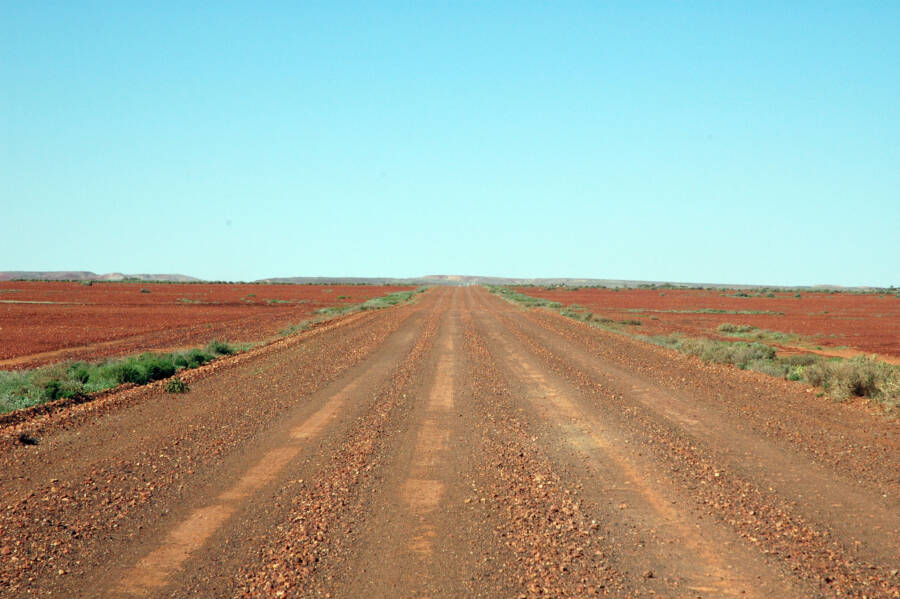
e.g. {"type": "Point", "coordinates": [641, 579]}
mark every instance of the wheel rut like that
{"type": "Point", "coordinates": [825, 558]}
{"type": "Point", "coordinates": [155, 570]}
{"type": "Point", "coordinates": [418, 538]}
{"type": "Point", "coordinates": [678, 551]}
{"type": "Point", "coordinates": [812, 489]}
{"type": "Point", "coordinates": [200, 461]}
{"type": "Point", "coordinates": [310, 554]}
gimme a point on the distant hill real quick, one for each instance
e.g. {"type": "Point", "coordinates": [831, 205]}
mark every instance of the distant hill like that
{"type": "Point", "coordinates": [84, 275]}
{"type": "Point", "coordinates": [569, 282]}
{"type": "Point", "coordinates": [426, 280]}
{"type": "Point", "coordinates": [340, 281]}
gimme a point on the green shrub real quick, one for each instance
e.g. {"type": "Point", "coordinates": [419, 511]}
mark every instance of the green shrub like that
{"type": "Point", "coordinates": [750, 332]}
{"type": "Point", "coordinates": [817, 374]}
{"type": "Point", "coordinates": [53, 390]}
{"type": "Point", "coordinates": [159, 367]}
{"type": "Point", "coordinates": [520, 298]}
{"type": "Point", "coordinates": [391, 299]}
{"type": "Point", "coordinates": [22, 389]}
{"type": "Point", "coordinates": [598, 319]}
{"type": "Point", "coordinates": [177, 386]}
{"type": "Point", "coordinates": [80, 371]}
{"type": "Point", "coordinates": [856, 377]}
{"type": "Point", "coordinates": [672, 340]}
{"type": "Point", "coordinates": [221, 348]}
{"type": "Point", "coordinates": [860, 377]}
{"type": "Point", "coordinates": [293, 329]}
{"type": "Point", "coordinates": [375, 303]}
{"type": "Point", "coordinates": [193, 358]}
{"type": "Point", "coordinates": [769, 367]}
{"type": "Point", "coordinates": [129, 372]}
{"type": "Point", "coordinates": [727, 327]}
{"type": "Point", "coordinates": [52, 382]}
{"type": "Point", "coordinates": [795, 373]}
{"type": "Point", "coordinates": [738, 353]}
{"type": "Point", "coordinates": [802, 360]}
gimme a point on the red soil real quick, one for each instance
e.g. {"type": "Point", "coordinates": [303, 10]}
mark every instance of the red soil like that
{"type": "Point", "coordinates": [868, 323]}
{"type": "Point", "coordinates": [43, 322]}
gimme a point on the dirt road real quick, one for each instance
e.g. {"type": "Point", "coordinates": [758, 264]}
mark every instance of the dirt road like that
{"type": "Point", "coordinates": [459, 446]}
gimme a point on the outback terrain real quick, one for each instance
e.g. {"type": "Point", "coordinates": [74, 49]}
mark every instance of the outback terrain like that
{"type": "Point", "coordinates": [820, 321]}
{"type": "Point", "coordinates": [458, 445]}
{"type": "Point", "coordinates": [46, 322]}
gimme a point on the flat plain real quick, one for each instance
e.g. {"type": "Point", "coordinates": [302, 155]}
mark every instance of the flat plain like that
{"type": "Point", "coordinates": [457, 445]}
{"type": "Point", "coordinates": [45, 322]}
{"type": "Point", "coordinates": [822, 321]}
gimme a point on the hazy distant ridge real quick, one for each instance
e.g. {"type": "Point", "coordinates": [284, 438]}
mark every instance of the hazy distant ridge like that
{"type": "Point", "coordinates": [84, 275]}
{"type": "Point", "coordinates": [571, 282]}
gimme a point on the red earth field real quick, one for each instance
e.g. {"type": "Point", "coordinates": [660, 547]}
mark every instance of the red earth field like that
{"type": "Point", "coordinates": [43, 322]}
{"type": "Point", "coordinates": [836, 322]}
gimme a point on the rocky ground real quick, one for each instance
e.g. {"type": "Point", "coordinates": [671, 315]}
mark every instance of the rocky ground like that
{"type": "Point", "coordinates": [455, 446]}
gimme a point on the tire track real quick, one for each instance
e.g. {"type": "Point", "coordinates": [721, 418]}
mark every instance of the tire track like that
{"type": "Point", "coordinates": [694, 563]}
{"type": "Point", "coordinates": [301, 556]}
{"type": "Point", "coordinates": [105, 499]}
{"type": "Point", "coordinates": [423, 489]}
{"type": "Point", "coordinates": [867, 517]}
{"type": "Point", "coordinates": [855, 444]}
{"type": "Point", "coordinates": [155, 570]}
{"type": "Point", "coordinates": [758, 515]}
{"type": "Point", "coordinates": [552, 547]}
{"type": "Point", "coordinates": [407, 544]}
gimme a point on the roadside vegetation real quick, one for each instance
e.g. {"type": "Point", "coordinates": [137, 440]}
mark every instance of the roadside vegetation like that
{"type": "Point", "coordinates": [25, 388]}
{"type": "Point", "coordinates": [376, 303]}
{"type": "Point", "coordinates": [391, 299]}
{"type": "Point", "coordinates": [840, 379]}
{"type": "Point", "coordinates": [521, 298]}
{"type": "Point", "coordinates": [294, 328]}
{"type": "Point", "coordinates": [176, 385]}
{"type": "Point", "coordinates": [747, 331]}
{"type": "Point", "coordinates": [78, 380]}
{"type": "Point", "coordinates": [708, 311]}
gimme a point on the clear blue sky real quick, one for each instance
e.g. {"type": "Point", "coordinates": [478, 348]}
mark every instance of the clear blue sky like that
{"type": "Point", "coordinates": [710, 142]}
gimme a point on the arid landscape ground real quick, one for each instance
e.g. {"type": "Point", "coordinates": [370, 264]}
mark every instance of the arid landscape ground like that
{"type": "Point", "coordinates": [455, 445]}
{"type": "Point", "coordinates": [44, 322]}
{"type": "Point", "coordinates": [433, 300]}
{"type": "Point", "coordinates": [827, 322]}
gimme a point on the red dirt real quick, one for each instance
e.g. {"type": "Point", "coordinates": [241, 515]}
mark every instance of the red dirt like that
{"type": "Point", "coordinates": [868, 323]}
{"type": "Point", "coordinates": [44, 322]}
{"type": "Point", "coordinates": [454, 446]}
